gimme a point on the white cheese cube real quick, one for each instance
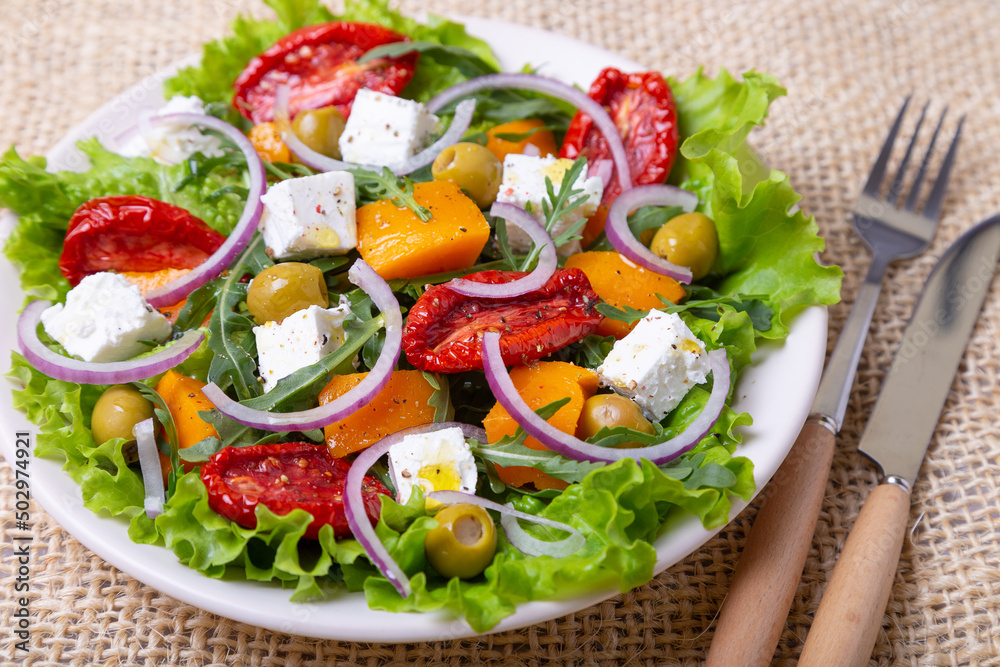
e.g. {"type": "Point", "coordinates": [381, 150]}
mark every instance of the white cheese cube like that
{"type": "Point", "coordinates": [172, 144]}
{"type": "Point", "coordinates": [299, 340]}
{"type": "Point", "coordinates": [385, 130]}
{"type": "Point", "coordinates": [310, 217]}
{"type": "Point", "coordinates": [656, 364]}
{"type": "Point", "coordinates": [436, 461]}
{"type": "Point", "coordinates": [524, 185]}
{"type": "Point", "coordinates": [104, 319]}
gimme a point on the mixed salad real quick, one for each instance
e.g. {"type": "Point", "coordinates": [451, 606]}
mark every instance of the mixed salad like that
{"type": "Point", "coordinates": [354, 296]}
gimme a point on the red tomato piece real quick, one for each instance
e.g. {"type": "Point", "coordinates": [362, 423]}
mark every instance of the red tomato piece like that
{"type": "Point", "coordinates": [444, 329]}
{"type": "Point", "coordinates": [642, 107]}
{"type": "Point", "coordinates": [134, 233]}
{"type": "Point", "coordinates": [284, 477]}
{"type": "Point", "coordinates": [319, 65]}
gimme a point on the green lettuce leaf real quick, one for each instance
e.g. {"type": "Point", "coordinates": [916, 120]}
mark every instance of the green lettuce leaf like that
{"type": "Point", "coordinates": [766, 245]}
{"type": "Point", "coordinates": [45, 202]}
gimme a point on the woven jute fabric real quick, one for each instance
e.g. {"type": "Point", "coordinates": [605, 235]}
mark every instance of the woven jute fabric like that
{"type": "Point", "coordinates": [847, 66]}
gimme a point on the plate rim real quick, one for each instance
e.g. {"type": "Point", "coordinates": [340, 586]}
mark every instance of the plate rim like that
{"type": "Point", "coordinates": [144, 562]}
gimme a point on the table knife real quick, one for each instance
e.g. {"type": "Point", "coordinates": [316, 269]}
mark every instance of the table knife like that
{"type": "Point", "coordinates": [898, 434]}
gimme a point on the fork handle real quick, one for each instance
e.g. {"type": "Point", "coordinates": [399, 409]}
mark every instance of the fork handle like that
{"type": "Point", "coordinates": [770, 566]}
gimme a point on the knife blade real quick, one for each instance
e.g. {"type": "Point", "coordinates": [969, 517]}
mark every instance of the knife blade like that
{"type": "Point", "coordinates": [897, 437]}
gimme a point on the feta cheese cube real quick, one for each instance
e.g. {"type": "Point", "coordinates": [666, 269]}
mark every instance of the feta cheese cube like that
{"type": "Point", "coordinates": [310, 217]}
{"type": "Point", "coordinates": [173, 144]}
{"type": "Point", "coordinates": [524, 184]}
{"type": "Point", "coordinates": [299, 340]}
{"type": "Point", "coordinates": [656, 364]}
{"type": "Point", "coordinates": [385, 130]}
{"type": "Point", "coordinates": [104, 319]}
{"type": "Point", "coordinates": [435, 461]}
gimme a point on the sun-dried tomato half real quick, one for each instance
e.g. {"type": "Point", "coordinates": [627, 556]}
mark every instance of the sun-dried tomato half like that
{"type": "Point", "coordinates": [134, 233]}
{"type": "Point", "coordinates": [444, 329]}
{"type": "Point", "coordinates": [319, 64]}
{"type": "Point", "coordinates": [284, 477]}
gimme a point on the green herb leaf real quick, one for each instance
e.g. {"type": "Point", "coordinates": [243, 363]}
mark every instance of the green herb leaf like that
{"type": "Point", "coordinates": [201, 451]}
{"type": "Point", "coordinates": [373, 186]}
{"type": "Point", "coordinates": [464, 60]}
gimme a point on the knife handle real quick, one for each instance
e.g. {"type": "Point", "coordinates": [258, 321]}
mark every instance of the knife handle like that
{"type": "Point", "coordinates": [850, 613]}
{"type": "Point", "coordinates": [770, 566]}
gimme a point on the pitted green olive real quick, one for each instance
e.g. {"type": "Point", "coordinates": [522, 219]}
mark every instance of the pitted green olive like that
{"type": "Point", "coordinates": [117, 412]}
{"type": "Point", "coordinates": [611, 410]}
{"type": "Point", "coordinates": [688, 240]}
{"type": "Point", "coordinates": [320, 130]}
{"type": "Point", "coordinates": [471, 167]}
{"type": "Point", "coordinates": [463, 543]}
{"type": "Point", "coordinates": [286, 288]}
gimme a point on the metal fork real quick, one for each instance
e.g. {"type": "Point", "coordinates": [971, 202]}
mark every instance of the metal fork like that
{"type": "Point", "coordinates": [771, 564]}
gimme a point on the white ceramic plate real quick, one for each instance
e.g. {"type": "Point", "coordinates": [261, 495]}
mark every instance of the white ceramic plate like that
{"type": "Point", "coordinates": [777, 391]}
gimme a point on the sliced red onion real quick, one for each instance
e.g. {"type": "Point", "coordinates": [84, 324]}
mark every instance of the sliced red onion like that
{"type": "Point", "coordinates": [354, 504]}
{"type": "Point", "coordinates": [604, 170]}
{"type": "Point", "coordinates": [563, 91]}
{"type": "Point", "coordinates": [546, 266]}
{"type": "Point", "coordinates": [220, 260]}
{"type": "Point", "coordinates": [578, 450]}
{"type": "Point", "coordinates": [86, 372]}
{"type": "Point", "coordinates": [315, 160]}
{"type": "Point", "coordinates": [621, 237]}
{"type": "Point", "coordinates": [522, 541]}
{"type": "Point", "coordinates": [362, 275]}
{"type": "Point", "coordinates": [149, 463]}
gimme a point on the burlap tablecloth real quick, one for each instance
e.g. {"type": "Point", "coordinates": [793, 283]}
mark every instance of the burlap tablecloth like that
{"type": "Point", "coordinates": [847, 66]}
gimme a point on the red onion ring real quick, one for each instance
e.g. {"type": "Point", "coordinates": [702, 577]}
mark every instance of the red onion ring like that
{"type": "Point", "coordinates": [149, 464]}
{"type": "Point", "coordinates": [604, 170]}
{"type": "Point", "coordinates": [86, 372]}
{"type": "Point", "coordinates": [362, 275]}
{"type": "Point", "coordinates": [563, 91]}
{"type": "Point", "coordinates": [621, 237]}
{"type": "Point", "coordinates": [578, 450]}
{"type": "Point", "coordinates": [220, 260]}
{"type": "Point", "coordinates": [354, 505]}
{"type": "Point", "coordinates": [532, 150]}
{"type": "Point", "coordinates": [518, 537]}
{"type": "Point", "coordinates": [546, 266]}
{"type": "Point", "coordinates": [315, 160]}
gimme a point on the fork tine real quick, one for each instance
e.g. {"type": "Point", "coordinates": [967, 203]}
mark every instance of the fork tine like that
{"type": "Point", "coordinates": [897, 183]}
{"type": "Point", "coordinates": [878, 169]}
{"type": "Point", "coordinates": [932, 209]}
{"type": "Point", "coordinates": [914, 196]}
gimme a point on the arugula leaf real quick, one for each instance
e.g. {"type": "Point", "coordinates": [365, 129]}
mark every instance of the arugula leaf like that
{"type": "Point", "coordinates": [373, 186]}
{"type": "Point", "coordinates": [706, 303]}
{"type": "Point", "coordinates": [202, 450]}
{"type": "Point", "coordinates": [440, 400]}
{"type": "Point", "coordinates": [557, 205]}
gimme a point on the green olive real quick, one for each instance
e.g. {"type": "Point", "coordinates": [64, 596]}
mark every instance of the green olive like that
{"type": "Point", "coordinates": [473, 168]}
{"type": "Point", "coordinates": [611, 410]}
{"type": "Point", "coordinates": [688, 240]}
{"type": "Point", "coordinates": [286, 288]}
{"type": "Point", "coordinates": [117, 412]}
{"type": "Point", "coordinates": [320, 130]}
{"type": "Point", "coordinates": [463, 543]}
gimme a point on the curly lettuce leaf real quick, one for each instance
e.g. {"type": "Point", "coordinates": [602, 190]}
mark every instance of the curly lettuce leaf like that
{"type": "Point", "coordinates": [766, 245]}
{"type": "Point", "coordinates": [45, 202]}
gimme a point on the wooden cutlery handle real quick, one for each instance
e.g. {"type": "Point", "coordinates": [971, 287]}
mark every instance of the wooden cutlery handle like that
{"type": "Point", "coordinates": [850, 614]}
{"type": "Point", "coordinates": [770, 566]}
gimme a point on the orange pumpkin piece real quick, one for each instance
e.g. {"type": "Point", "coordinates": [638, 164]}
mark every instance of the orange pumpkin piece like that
{"type": "Point", "coordinates": [184, 398]}
{"type": "Point", "coordinates": [266, 140]}
{"type": "Point", "coordinates": [398, 244]}
{"type": "Point", "coordinates": [147, 281]}
{"type": "Point", "coordinates": [543, 140]}
{"type": "Point", "coordinates": [402, 403]}
{"type": "Point", "coordinates": [539, 384]}
{"type": "Point", "coordinates": [622, 283]}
